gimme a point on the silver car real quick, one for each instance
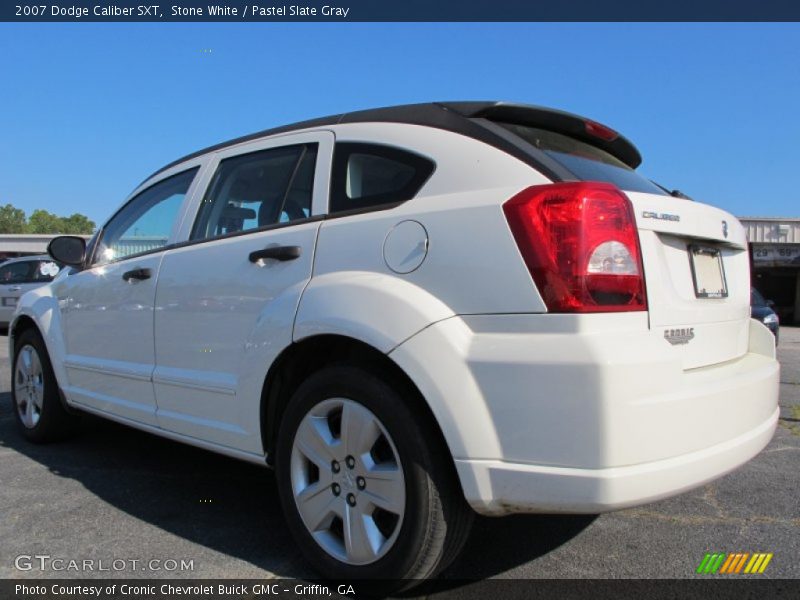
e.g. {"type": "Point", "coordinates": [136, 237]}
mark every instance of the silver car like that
{"type": "Point", "coordinates": [19, 275]}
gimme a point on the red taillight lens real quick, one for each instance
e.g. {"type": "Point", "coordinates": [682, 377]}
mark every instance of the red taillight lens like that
{"type": "Point", "coordinates": [580, 244]}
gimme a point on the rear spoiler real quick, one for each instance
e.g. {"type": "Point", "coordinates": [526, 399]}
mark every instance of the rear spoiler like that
{"type": "Point", "coordinates": [575, 126]}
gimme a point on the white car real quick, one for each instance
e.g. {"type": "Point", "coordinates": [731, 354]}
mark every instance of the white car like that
{"type": "Point", "coordinates": [414, 314]}
{"type": "Point", "coordinates": [20, 275]}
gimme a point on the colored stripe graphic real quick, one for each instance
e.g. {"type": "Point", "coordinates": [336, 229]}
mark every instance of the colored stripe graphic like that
{"type": "Point", "coordinates": [749, 567]}
{"type": "Point", "coordinates": [715, 565]}
{"type": "Point", "coordinates": [764, 564]}
{"type": "Point", "coordinates": [720, 560]}
{"type": "Point", "coordinates": [757, 564]}
{"type": "Point", "coordinates": [728, 565]}
{"type": "Point", "coordinates": [708, 567]}
{"type": "Point", "coordinates": [741, 562]}
{"type": "Point", "coordinates": [734, 562]}
{"type": "Point", "coordinates": [701, 568]}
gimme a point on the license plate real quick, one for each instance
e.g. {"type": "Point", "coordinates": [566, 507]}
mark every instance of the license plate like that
{"type": "Point", "coordinates": [708, 272]}
{"type": "Point", "coordinates": [9, 301]}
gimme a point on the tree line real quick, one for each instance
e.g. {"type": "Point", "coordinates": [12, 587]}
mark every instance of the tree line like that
{"type": "Point", "coordinates": [14, 220]}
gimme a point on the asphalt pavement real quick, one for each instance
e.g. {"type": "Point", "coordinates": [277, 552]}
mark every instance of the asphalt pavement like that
{"type": "Point", "coordinates": [162, 509]}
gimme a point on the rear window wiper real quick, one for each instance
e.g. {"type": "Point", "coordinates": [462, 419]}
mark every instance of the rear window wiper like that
{"type": "Point", "coordinates": [673, 193]}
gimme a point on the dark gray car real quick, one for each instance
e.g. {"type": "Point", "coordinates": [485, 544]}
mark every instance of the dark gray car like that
{"type": "Point", "coordinates": [761, 310]}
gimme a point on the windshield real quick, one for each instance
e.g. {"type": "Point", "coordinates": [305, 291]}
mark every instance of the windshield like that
{"type": "Point", "coordinates": [586, 162]}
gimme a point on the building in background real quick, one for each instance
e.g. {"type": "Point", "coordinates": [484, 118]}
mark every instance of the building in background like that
{"type": "Point", "coordinates": [775, 245]}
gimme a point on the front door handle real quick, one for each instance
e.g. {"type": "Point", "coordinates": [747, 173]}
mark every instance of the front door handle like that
{"type": "Point", "coordinates": [281, 253]}
{"type": "Point", "coordinates": [15, 288]}
{"type": "Point", "coordinates": [138, 274]}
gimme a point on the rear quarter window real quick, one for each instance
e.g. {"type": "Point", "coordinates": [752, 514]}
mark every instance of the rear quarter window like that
{"type": "Point", "coordinates": [372, 176]}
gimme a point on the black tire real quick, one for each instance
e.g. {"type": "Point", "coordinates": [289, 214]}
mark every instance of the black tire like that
{"type": "Point", "coordinates": [54, 423]}
{"type": "Point", "coordinates": [436, 520]}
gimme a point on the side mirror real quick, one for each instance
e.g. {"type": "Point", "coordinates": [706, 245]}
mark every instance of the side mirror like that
{"type": "Point", "coordinates": [771, 304]}
{"type": "Point", "coordinates": [67, 249]}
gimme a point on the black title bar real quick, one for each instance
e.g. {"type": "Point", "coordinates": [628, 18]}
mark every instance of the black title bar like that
{"type": "Point", "coordinates": [744, 588]}
{"type": "Point", "coordinates": [403, 10]}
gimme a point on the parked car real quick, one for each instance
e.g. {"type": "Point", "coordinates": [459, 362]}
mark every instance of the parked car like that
{"type": "Point", "coordinates": [763, 310]}
{"type": "Point", "coordinates": [414, 314]}
{"type": "Point", "coordinates": [19, 275]}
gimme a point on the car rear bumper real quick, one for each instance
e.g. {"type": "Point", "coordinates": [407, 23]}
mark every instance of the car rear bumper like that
{"type": "Point", "coordinates": [499, 488]}
{"type": "Point", "coordinates": [579, 414]}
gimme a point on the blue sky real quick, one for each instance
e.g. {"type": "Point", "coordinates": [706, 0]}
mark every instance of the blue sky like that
{"type": "Point", "coordinates": [89, 110]}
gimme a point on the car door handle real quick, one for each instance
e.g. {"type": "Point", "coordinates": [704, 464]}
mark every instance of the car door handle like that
{"type": "Point", "coordinates": [138, 274]}
{"type": "Point", "coordinates": [281, 253]}
{"type": "Point", "coordinates": [14, 288]}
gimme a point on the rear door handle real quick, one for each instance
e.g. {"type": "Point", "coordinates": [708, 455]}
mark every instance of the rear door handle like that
{"type": "Point", "coordinates": [14, 288]}
{"type": "Point", "coordinates": [281, 253]}
{"type": "Point", "coordinates": [138, 274]}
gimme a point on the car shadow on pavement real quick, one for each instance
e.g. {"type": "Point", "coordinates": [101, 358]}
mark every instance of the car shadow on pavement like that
{"type": "Point", "coordinates": [232, 507]}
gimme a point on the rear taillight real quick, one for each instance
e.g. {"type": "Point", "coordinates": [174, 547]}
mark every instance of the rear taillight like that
{"type": "Point", "coordinates": [580, 244]}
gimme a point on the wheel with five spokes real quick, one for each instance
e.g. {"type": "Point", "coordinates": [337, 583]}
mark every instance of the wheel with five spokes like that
{"type": "Point", "coordinates": [37, 404]}
{"type": "Point", "coordinates": [367, 491]}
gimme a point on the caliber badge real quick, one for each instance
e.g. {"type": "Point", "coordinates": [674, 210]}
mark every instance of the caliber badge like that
{"type": "Point", "coordinates": [649, 214]}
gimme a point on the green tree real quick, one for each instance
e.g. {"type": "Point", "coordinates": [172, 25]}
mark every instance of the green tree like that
{"type": "Point", "coordinates": [12, 219]}
{"type": "Point", "coordinates": [42, 221]}
{"type": "Point", "coordinates": [77, 224]}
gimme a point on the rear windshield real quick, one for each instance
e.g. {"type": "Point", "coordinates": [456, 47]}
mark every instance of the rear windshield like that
{"type": "Point", "coordinates": [583, 160]}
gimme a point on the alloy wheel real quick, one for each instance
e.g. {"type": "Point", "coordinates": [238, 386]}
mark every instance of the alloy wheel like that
{"type": "Point", "coordinates": [347, 481]}
{"type": "Point", "coordinates": [29, 386]}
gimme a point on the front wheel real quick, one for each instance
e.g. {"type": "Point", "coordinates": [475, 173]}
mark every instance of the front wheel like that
{"type": "Point", "coordinates": [367, 490]}
{"type": "Point", "coordinates": [37, 403]}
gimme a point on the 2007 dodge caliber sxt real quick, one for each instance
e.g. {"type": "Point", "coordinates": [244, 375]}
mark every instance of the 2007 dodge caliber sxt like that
{"type": "Point", "coordinates": [414, 314]}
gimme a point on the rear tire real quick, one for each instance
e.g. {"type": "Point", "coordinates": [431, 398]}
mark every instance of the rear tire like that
{"type": "Point", "coordinates": [379, 495]}
{"type": "Point", "coordinates": [38, 408]}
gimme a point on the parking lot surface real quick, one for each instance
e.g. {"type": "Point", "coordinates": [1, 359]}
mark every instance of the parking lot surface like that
{"type": "Point", "coordinates": [115, 494]}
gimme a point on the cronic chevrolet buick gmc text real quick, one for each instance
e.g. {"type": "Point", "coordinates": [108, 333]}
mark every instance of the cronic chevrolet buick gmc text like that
{"type": "Point", "coordinates": [413, 313]}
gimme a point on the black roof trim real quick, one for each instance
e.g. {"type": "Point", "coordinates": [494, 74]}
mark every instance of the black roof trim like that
{"type": "Point", "coordinates": [250, 137]}
{"type": "Point", "coordinates": [457, 117]}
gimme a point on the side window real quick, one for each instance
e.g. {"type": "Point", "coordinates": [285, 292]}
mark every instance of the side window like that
{"type": "Point", "coordinates": [18, 272]}
{"type": "Point", "coordinates": [144, 223]}
{"type": "Point", "coordinates": [257, 190]}
{"type": "Point", "coordinates": [29, 271]}
{"type": "Point", "coordinates": [370, 175]}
